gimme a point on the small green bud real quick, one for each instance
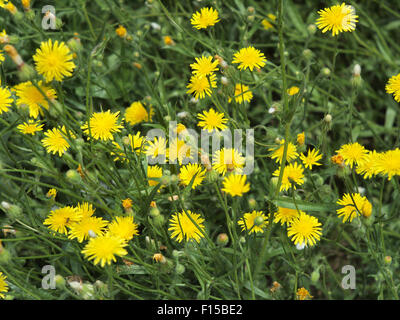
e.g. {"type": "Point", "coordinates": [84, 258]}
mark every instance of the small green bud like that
{"type": "Point", "coordinates": [222, 239]}
{"type": "Point", "coordinates": [388, 260]}
{"type": "Point", "coordinates": [258, 221]}
{"type": "Point", "coordinates": [26, 72]}
{"type": "Point", "coordinates": [159, 220]}
{"type": "Point", "coordinates": [19, 16]}
{"type": "Point", "coordinates": [179, 268]}
{"type": "Point", "coordinates": [154, 212]}
{"type": "Point", "coordinates": [315, 276]}
{"type": "Point", "coordinates": [308, 54]}
{"type": "Point", "coordinates": [5, 256]}
{"type": "Point", "coordinates": [75, 45]}
{"type": "Point", "coordinates": [312, 28]}
{"type": "Point", "coordinates": [59, 23]}
{"type": "Point", "coordinates": [326, 71]}
{"type": "Point", "coordinates": [60, 281]}
{"type": "Point", "coordinates": [87, 291]}
{"type": "Point", "coordinates": [73, 176]}
{"type": "Point", "coordinates": [176, 254]}
{"type": "Point", "coordinates": [212, 176]}
{"type": "Point", "coordinates": [14, 212]}
{"type": "Point", "coordinates": [252, 203]}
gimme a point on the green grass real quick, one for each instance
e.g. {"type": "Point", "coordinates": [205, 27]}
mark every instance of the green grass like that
{"type": "Point", "coordinates": [105, 78]}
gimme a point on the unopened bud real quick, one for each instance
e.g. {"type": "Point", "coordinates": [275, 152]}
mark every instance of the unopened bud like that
{"type": "Point", "coordinates": [328, 118]}
{"type": "Point", "coordinates": [326, 71]}
{"type": "Point", "coordinates": [179, 268]}
{"type": "Point", "coordinates": [312, 28]}
{"type": "Point", "coordinates": [222, 239]}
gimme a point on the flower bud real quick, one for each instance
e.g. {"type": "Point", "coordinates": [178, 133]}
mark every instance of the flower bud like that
{"type": "Point", "coordinates": [154, 212]}
{"type": "Point", "coordinates": [87, 291]}
{"type": "Point", "coordinates": [308, 54]}
{"type": "Point", "coordinates": [60, 281]}
{"type": "Point", "coordinates": [73, 176]}
{"type": "Point", "coordinates": [5, 256]}
{"type": "Point", "coordinates": [252, 203]}
{"type": "Point", "coordinates": [326, 71]}
{"type": "Point", "coordinates": [315, 276]}
{"type": "Point", "coordinates": [159, 220]}
{"type": "Point", "coordinates": [222, 239]}
{"type": "Point", "coordinates": [179, 268]}
{"type": "Point", "coordinates": [26, 72]}
{"type": "Point", "coordinates": [328, 118]}
{"type": "Point", "coordinates": [312, 28]}
{"type": "Point", "coordinates": [388, 260]}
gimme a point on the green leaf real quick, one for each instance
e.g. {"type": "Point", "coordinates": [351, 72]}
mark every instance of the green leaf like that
{"type": "Point", "coordinates": [286, 202]}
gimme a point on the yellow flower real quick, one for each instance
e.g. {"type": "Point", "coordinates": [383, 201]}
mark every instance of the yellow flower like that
{"type": "Point", "coordinates": [53, 61]}
{"type": "Point", "coordinates": [205, 18]}
{"type": "Point", "coordinates": [338, 18]}
{"type": "Point", "coordinates": [121, 31]}
{"type": "Point", "coordinates": [156, 147]}
{"type": "Point", "coordinates": [393, 86]}
{"type": "Point", "coordinates": [30, 127]}
{"type": "Point", "coordinates": [301, 138]}
{"type": "Point", "coordinates": [3, 36]}
{"type": "Point", "coordinates": [293, 90]}
{"type": "Point", "coordinates": [292, 175]}
{"type": "Point", "coordinates": [179, 150]}
{"type": "Point", "coordinates": [266, 24]}
{"type": "Point", "coordinates": [352, 153]}
{"type": "Point", "coordinates": [86, 228]}
{"type": "Point", "coordinates": [227, 160]}
{"type": "Point", "coordinates": [369, 165]}
{"type": "Point", "coordinates": [204, 66]}
{"type": "Point", "coordinates": [5, 100]}
{"type": "Point", "coordinates": [212, 120]}
{"type": "Point", "coordinates": [55, 140]}
{"type": "Point", "coordinates": [303, 294]}
{"type": "Point", "coordinates": [249, 57]}
{"type": "Point", "coordinates": [11, 8]}
{"type": "Point", "coordinates": [52, 193]}
{"type": "Point", "coordinates": [189, 171]}
{"type": "Point", "coordinates": [137, 113]}
{"type": "Point", "coordinates": [3, 285]}
{"type": "Point", "coordinates": [103, 249]}
{"type": "Point", "coordinates": [201, 86]}
{"type": "Point", "coordinates": [305, 229]}
{"type": "Point", "coordinates": [291, 153]}
{"type": "Point", "coordinates": [123, 227]}
{"type": "Point", "coordinates": [154, 172]}
{"type": "Point", "coordinates": [59, 219]}
{"type": "Point", "coordinates": [242, 93]}
{"type": "Point", "coordinates": [102, 125]}
{"type": "Point", "coordinates": [311, 159]}
{"type": "Point", "coordinates": [169, 41]}
{"type": "Point", "coordinates": [352, 209]}
{"type": "Point", "coordinates": [2, 58]}
{"type": "Point", "coordinates": [253, 222]}
{"type": "Point", "coordinates": [183, 228]}
{"type": "Point", "coordinates": [158, 257]}
{"type": "Point", "coordinates": [85, 210]}
{"type": "Point", "coordinates": [127, 203]}
{"type": "Point", "coordinates": [235, 185]}
{"type": "Point", "coordinates": [388, 163]}
{"type": "Point", "coordinates": [35, 97]}
{"type": "Point", "coordinates": [286, 215]}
